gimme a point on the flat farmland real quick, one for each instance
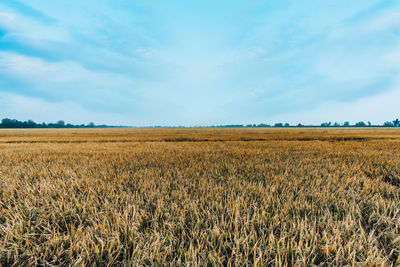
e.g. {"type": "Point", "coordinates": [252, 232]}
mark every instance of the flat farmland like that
{"type": "Point", "coordinates": [200, 196]}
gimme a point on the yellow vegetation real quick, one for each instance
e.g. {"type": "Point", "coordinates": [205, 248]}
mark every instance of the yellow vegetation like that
{"type": "Point", "coordinates": [200, 197]}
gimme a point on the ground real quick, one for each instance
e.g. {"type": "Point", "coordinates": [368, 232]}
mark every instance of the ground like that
{"type": "Point", "coordinates": [251, 196]}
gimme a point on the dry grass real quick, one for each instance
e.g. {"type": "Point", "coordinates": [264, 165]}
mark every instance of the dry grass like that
{"type": "Point", "coordinates": [200, 197]}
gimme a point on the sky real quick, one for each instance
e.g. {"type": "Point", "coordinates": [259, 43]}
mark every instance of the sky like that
{"type": "Point", "coordinates": [141, 62]}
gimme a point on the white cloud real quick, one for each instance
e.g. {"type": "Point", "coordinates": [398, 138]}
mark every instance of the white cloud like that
{"type": "Point", "coordinates": [377, 109]}
{"type": "Point", "coordinates": [65, 78]}
{"type": "Point", "coordinates": [34, 68]}
{"type": "Point", "coordinates": [228, 62]}
{"type": "Point", "coordinates": [7, 20]}
{"type": "Point", "coordinates": [30, 31]}
{"type": "Point", "coordinates": [25, 108]}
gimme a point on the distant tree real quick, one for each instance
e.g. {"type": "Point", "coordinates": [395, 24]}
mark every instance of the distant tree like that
{"type": "Point", "coordinates": [60, 124]}
{"type": "Point", "coordinates": [31, 124]}
{"type": "Point", "coordinates": [6, 123]}
{"type": "Point", "coordinates": [12, 123]}
{"type": "Point", "coordinates": [300, 125]}
{"type": "Point", "coordinates": [326, 124]}
{"type": "Point", "coordinates": [346, 124]}
{"type": "Point", "coordinates": [360, 124]}
{"type": "Point", "coordinates": [287, 125]}
{"type": "Point", "coordinates": [369, 124]}
{"type": "Point", "coordinates": [336, 124]}
{"type": "Point", "coordinates": [278, 125]}
{"type": "Point", "coordinates": [396, 123]}
{"type": "Point", "coordinates": [388, 124]}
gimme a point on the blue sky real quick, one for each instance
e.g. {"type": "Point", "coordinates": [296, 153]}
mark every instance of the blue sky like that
{"type": "Point", "coordinates": [200, 62]}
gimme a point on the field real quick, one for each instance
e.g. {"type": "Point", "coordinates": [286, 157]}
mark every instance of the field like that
{"type": "Point", "coordinates": [179, 197]}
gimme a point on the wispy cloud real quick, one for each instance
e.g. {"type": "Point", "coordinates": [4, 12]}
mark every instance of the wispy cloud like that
{"type": "Point", "coordinates": [200, 63]}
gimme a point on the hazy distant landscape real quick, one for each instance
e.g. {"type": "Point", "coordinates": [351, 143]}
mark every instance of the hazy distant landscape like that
{"type": "Point", "coordinates": [30, 124]}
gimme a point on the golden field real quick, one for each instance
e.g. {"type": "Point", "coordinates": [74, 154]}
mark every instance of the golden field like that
{"type": "Point", "coordinates": [212, 196]}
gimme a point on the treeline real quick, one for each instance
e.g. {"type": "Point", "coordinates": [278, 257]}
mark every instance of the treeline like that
{"type": "Point", "coordinates": [395, 123]}
{"type": "Point", "coordinates": [12, 123]}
